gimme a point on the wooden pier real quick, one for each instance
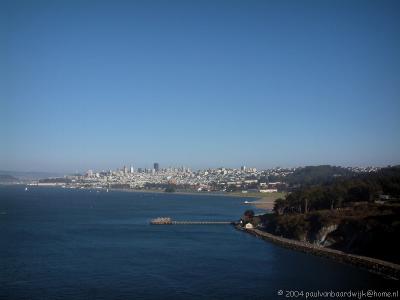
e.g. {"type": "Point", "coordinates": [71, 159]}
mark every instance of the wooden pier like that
{"type": "Point", "coordinates": [169, 221]}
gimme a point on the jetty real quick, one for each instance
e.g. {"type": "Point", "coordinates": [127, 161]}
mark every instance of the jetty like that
{"type": "Point", "coordinates": [169, 221]}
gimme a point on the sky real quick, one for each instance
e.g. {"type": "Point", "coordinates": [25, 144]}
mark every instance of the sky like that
{"type": "Point", "coordinates": [101, 84]}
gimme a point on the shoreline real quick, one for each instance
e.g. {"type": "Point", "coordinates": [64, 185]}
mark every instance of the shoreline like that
{"type": "Point", "coordinates": [220, 194]}
{"type": "Point", "coordinates": [267, 205]}
{"type": "Point", "coordinates": [377, 266]}
{"type": "Point", "coordinates": [260, 201]}
{"type": "Point", "coordinates": [384, 268]}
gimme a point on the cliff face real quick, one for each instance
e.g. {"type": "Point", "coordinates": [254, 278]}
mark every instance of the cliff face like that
{"type": "Point", "coordinates": [374, 236]}
{"type": "Point", "coordinates": [323, 236]}
{"type": "Point", "coordinates": [369, 230]}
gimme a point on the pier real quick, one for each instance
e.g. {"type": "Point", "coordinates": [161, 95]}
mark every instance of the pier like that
{"type": "Point", "coordinates": [169, 221]}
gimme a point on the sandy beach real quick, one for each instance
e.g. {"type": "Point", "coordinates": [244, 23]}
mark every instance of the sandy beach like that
{"type": "Point", "coordinates": [266, 202]}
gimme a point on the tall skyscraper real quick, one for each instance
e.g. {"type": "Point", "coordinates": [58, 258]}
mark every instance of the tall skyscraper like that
{"type": "Point", "coordinates": [156, 167]}
{"type": "Point", "coordinates": [131, 169]}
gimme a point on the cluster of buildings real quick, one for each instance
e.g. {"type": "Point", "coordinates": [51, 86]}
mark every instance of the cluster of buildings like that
{"type": "Point", "coordinates": [218, 179]}
{"type": "Point", "coordinates": [241, 179]}
{"type": "Point", "coordinates": [363, 169]}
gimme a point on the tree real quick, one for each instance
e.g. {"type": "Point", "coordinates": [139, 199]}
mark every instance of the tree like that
{"type": "Point", "coordinates": [248, 216]}
{"type": "Point", "coordinates": [280, 206]}
{"type": "Point", "coordinates": [170, 189]}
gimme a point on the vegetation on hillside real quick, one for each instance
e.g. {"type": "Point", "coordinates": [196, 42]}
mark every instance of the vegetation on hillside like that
{"type": "Point", "coordinates": [170, 188]}
{"type": "Point", "coordinates": [367, 229]}
{"type": "Point", "coordinates": [342, 192]}
{"type": "Point", "coordinates": [355, 213]}
{"type": "Point", "coordinates": [312, 175]}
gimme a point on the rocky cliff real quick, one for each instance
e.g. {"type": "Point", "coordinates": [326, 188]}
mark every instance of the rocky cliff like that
{"type": "Point", "coordinates": [370, 230]}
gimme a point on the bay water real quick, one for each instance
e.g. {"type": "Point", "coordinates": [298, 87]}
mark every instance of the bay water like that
{"type": "Point", "coordinates": [87, 244]}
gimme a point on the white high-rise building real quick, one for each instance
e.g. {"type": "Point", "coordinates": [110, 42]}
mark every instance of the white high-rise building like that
{"type": "Point", "coordinates": [131, 169]}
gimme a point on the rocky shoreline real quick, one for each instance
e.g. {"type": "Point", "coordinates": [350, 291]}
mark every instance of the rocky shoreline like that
{"type": "Point", "coordinates": [381, 267]}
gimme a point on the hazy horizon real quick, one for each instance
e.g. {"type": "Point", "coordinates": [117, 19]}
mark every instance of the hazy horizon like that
{"type": "Point", "coordinates": [99, 84]}
{"type": "Point", "coordinates": [149, 166]}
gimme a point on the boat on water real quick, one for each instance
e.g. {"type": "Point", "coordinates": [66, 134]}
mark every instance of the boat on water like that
{"type": "Point", "coordinates": [26, 188]}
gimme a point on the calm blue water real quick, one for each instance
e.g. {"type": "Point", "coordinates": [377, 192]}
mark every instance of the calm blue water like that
{"type": "Point", "coordinates": [75, 244]}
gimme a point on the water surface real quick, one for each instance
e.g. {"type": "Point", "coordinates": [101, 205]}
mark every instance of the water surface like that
{"type": "Point", "coordinates": [81, 244]}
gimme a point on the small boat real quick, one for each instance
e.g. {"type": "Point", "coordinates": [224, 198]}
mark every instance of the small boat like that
{"type": "Point", "coordinates": [26, 188]}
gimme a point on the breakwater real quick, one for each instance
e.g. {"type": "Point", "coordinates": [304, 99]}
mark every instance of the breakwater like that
{"type": "Point", "coordinates": [385, 268]}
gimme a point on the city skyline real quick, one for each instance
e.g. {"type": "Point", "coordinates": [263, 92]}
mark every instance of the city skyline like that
{"type": "Point", "coordinates": [244, 179]}
{"type": "Point", "coordinates": [150, 167]}
{"type": "Point", "coordinates": [203, 84]}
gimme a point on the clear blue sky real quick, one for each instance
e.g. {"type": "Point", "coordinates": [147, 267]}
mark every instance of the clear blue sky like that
{"type": "Point", "coordinates": [99, 84]}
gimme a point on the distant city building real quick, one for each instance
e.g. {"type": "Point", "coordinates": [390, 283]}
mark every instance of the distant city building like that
{"type": "Point", "coordinates": [220, 179]}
